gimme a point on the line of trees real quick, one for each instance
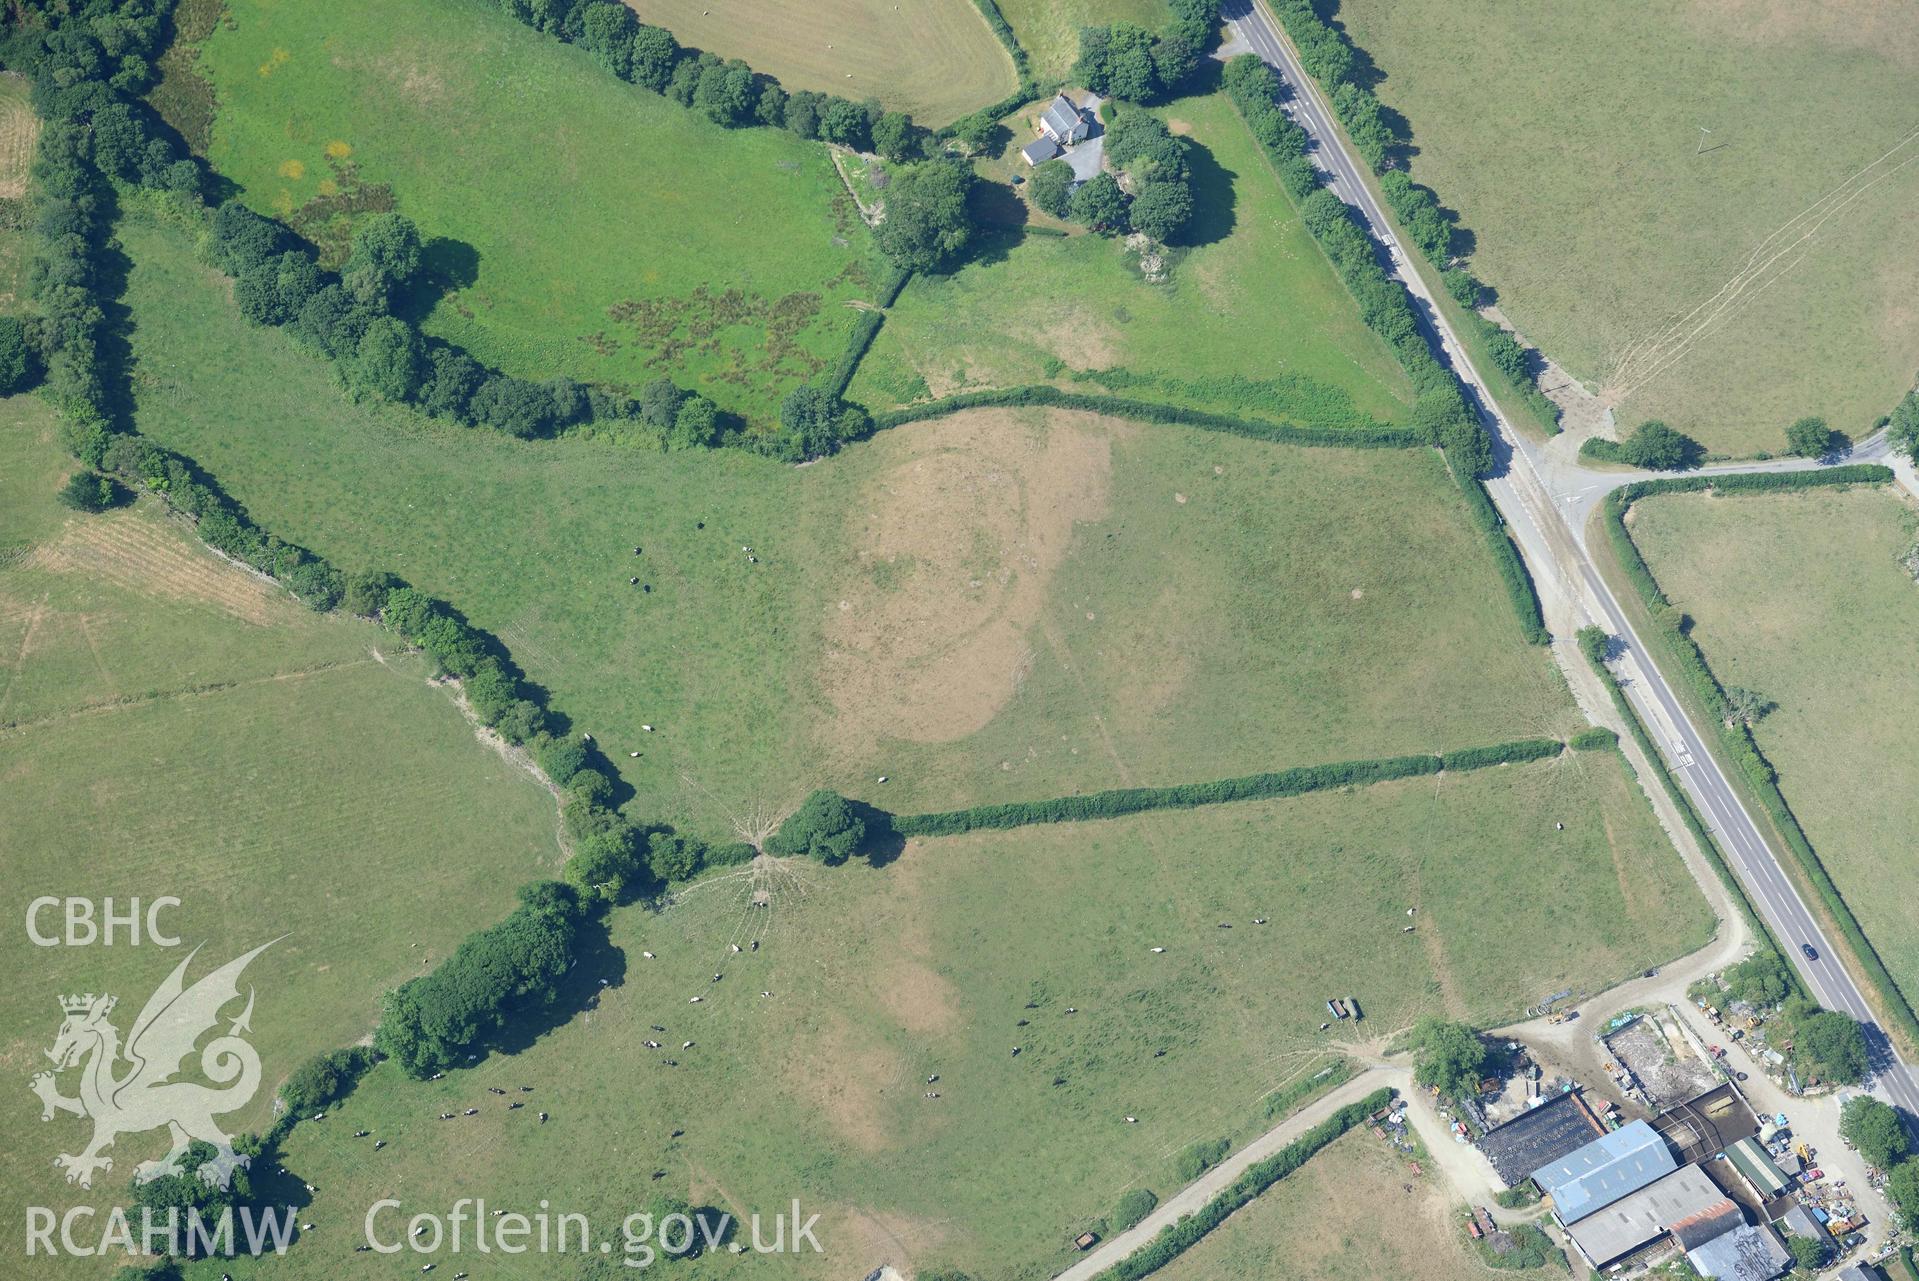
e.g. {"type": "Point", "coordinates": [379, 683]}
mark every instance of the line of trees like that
{"type": "Point", "coordinates": [1379, 135]}
{"type": "Point", "coordinates": [724, 90]}
{"type": "Point", "coordinates": [1440, 413]}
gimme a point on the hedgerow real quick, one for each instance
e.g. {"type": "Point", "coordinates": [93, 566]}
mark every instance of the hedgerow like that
{"type": "Point", "coordinates": [1735, 735]}
{"type": "Point", "coordinates": [1178, 1237]}
{"type": "Point", "coordinates": [1286, 396]}
{"type": "Point", "coordinates": [1152, 412]}
{"type": "Point", "coordinates": [1593, 738]}
{"type": "Point", "coordinates": [1290, 782]}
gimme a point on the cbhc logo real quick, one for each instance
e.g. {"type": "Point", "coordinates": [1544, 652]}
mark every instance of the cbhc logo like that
{"type": "Point", "coordinates": [86, 926]}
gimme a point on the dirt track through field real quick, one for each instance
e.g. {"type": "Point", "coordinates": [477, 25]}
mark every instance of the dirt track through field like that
{"type": "Point", "coordinates": [1770, 260]}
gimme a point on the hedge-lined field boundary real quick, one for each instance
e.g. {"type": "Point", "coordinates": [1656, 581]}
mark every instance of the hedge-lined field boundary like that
{"type": "Point", "coordinates": [1180, 1236]}
{"type": "Point", "coordinates": [1153, 412]}
{"type": "Point", "coordinates": [1289, 782]}
{"type": "Point", "coordinates": [1735, 736]}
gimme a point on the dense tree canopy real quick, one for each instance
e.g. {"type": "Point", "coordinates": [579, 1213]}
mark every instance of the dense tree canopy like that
{"type": "Point", "coordinates": [1830, 1045]}
{"type": "Point", "coordinates": [823, 827]}
{"type": "Point", "coordinates": [1876, 1129]}
{"type": "Point", "coordinates": [927, 225]}
{"type": "Point", "coordinates": [1101, 204]}
{"type": "Point", "coordinates": [1812, 438]}
{"type": "Point", "coordinates": [431, 1021]}
{"type": "Point", "coordinates": [1653, 444]}
{"type": "Point", "coordinates": [1051, 188]}
{"type": "Point", "coordinates": [1448, 1055]}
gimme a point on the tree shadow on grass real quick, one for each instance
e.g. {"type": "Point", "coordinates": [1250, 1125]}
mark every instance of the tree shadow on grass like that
{"type": "Point", "coordinates": [596, 958]}
{"type": "Point", "coordinates": [446, 266]}
{"type": "Point", "coordinates": [1214, 198]}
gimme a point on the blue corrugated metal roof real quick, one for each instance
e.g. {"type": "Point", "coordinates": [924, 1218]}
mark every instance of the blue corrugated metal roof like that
{"type": "Point", "coordinates": [1610, 1167]}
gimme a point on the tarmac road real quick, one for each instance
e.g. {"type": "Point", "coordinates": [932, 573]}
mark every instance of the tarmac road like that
{"type": "Point", "coordinates": [1556, 556]}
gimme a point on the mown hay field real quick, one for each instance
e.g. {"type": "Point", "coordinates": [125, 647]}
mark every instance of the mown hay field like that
{"type": "Point", "coordinates": [1728, 282]}
{"type": "Point", "coordinates": [1001, 605]}
{"type": "Point", "coordinates": [1251, 297]}
{"type": "Point", "coordinates": [583, 226]}
{"type": "Point", "coordinates": [19, 130]}
{"type": "Point", "coordinates": [809, 1070]}
{"type": "Point", "coordinates": [1809, 600]}
{"type": "Point", "coordinates": [173, 725]}
{"type": "Point", "coordinates": [934, 58]}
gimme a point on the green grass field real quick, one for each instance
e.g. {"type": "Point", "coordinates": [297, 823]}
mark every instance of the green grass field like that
{"type": "Point", "coordinates": [935, 58]}
{"type": "Point", "coordinates": [1729, 291]}
{"type": "Point", "coordinates": [994, 606]}
{"type": "Point", "coordinates": [173, 725]}
{"type": "Point", "coordinates": [1803, 598]}
{"type": "Point", "coordinates": [1049, 29]}
{"type": "Point", "coordinates": [883, 977]}
{"type": "Point", "coordinates": [1355, 1212]}
{"type": "Point", "coordinates": [593, 228]}
{"type": "Point", "coordinates": [1255, 298]}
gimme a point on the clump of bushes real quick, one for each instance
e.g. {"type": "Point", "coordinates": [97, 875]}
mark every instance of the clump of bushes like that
{"type": "Point", "coordinates": [1652, 445]}
{"type": "Point", "coordinates": [1125, 60]}
{"type": "Point", "coordinates": [825, 827]}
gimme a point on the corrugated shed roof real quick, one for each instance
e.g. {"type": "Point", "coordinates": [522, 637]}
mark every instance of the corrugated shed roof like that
{"type": "Point", "coordinates": [1610, 1167]}
{"type": "Point", "coordinates": [1744, 1254]}
{"type": "Point", "coordinates": [1683, 1196]}
{"type": "Point", "coordinates": [1752, 1161]}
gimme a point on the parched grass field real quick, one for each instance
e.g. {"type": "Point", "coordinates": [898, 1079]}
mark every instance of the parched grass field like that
{"type": "Point", "coordinates": [880, 978]}
{"type": "Point", "coordinates": [1254, 297]}
{"type": "Point", "coordinates": [19, 130]}
{"type": "Point", "coordinates": [1729, 291]}
{"type": "Point", "coordinates": [1049, 29]}
{"type": "Point", "coordinates": [995, 606]}
{"type": "Point", "coordinates": [173, 725]}
{"type": "Point", "coordinates": [1803, 598]}
{"type": "Point", "coordinates": [935, 58]}
{"type": "Point", "coordinates": [1355, 1212]}
{"type": "Point", "coordinates": [591, 228]}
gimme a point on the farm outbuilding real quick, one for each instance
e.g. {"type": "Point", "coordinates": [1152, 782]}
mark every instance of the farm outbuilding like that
{"type": "Point", "coordinates": [1744, 1254]}
{"type": "Point", "coordinates": [1685, 1196]}
{"type": "Point", "coordinates": [1610, 1167]}
{"type": "Point", "coordinates": [1555, 1129]}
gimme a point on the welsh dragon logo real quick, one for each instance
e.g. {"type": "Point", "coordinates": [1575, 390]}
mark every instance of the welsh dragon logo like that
{"type": "Point", "coordinates": [128, 1089]}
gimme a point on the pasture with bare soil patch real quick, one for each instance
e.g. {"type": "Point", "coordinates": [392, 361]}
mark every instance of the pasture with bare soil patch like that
{"type": "Point", "coordinates": [169, 725]}
{"type": "Point", "coordinates": [934, 58]}
{"type": "Point", "coordinates": [1728, 281]}
{"type": "Point", "coordinates": [1168, 641]}
{"type": "Point", "coordinates": [811, 1056]}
